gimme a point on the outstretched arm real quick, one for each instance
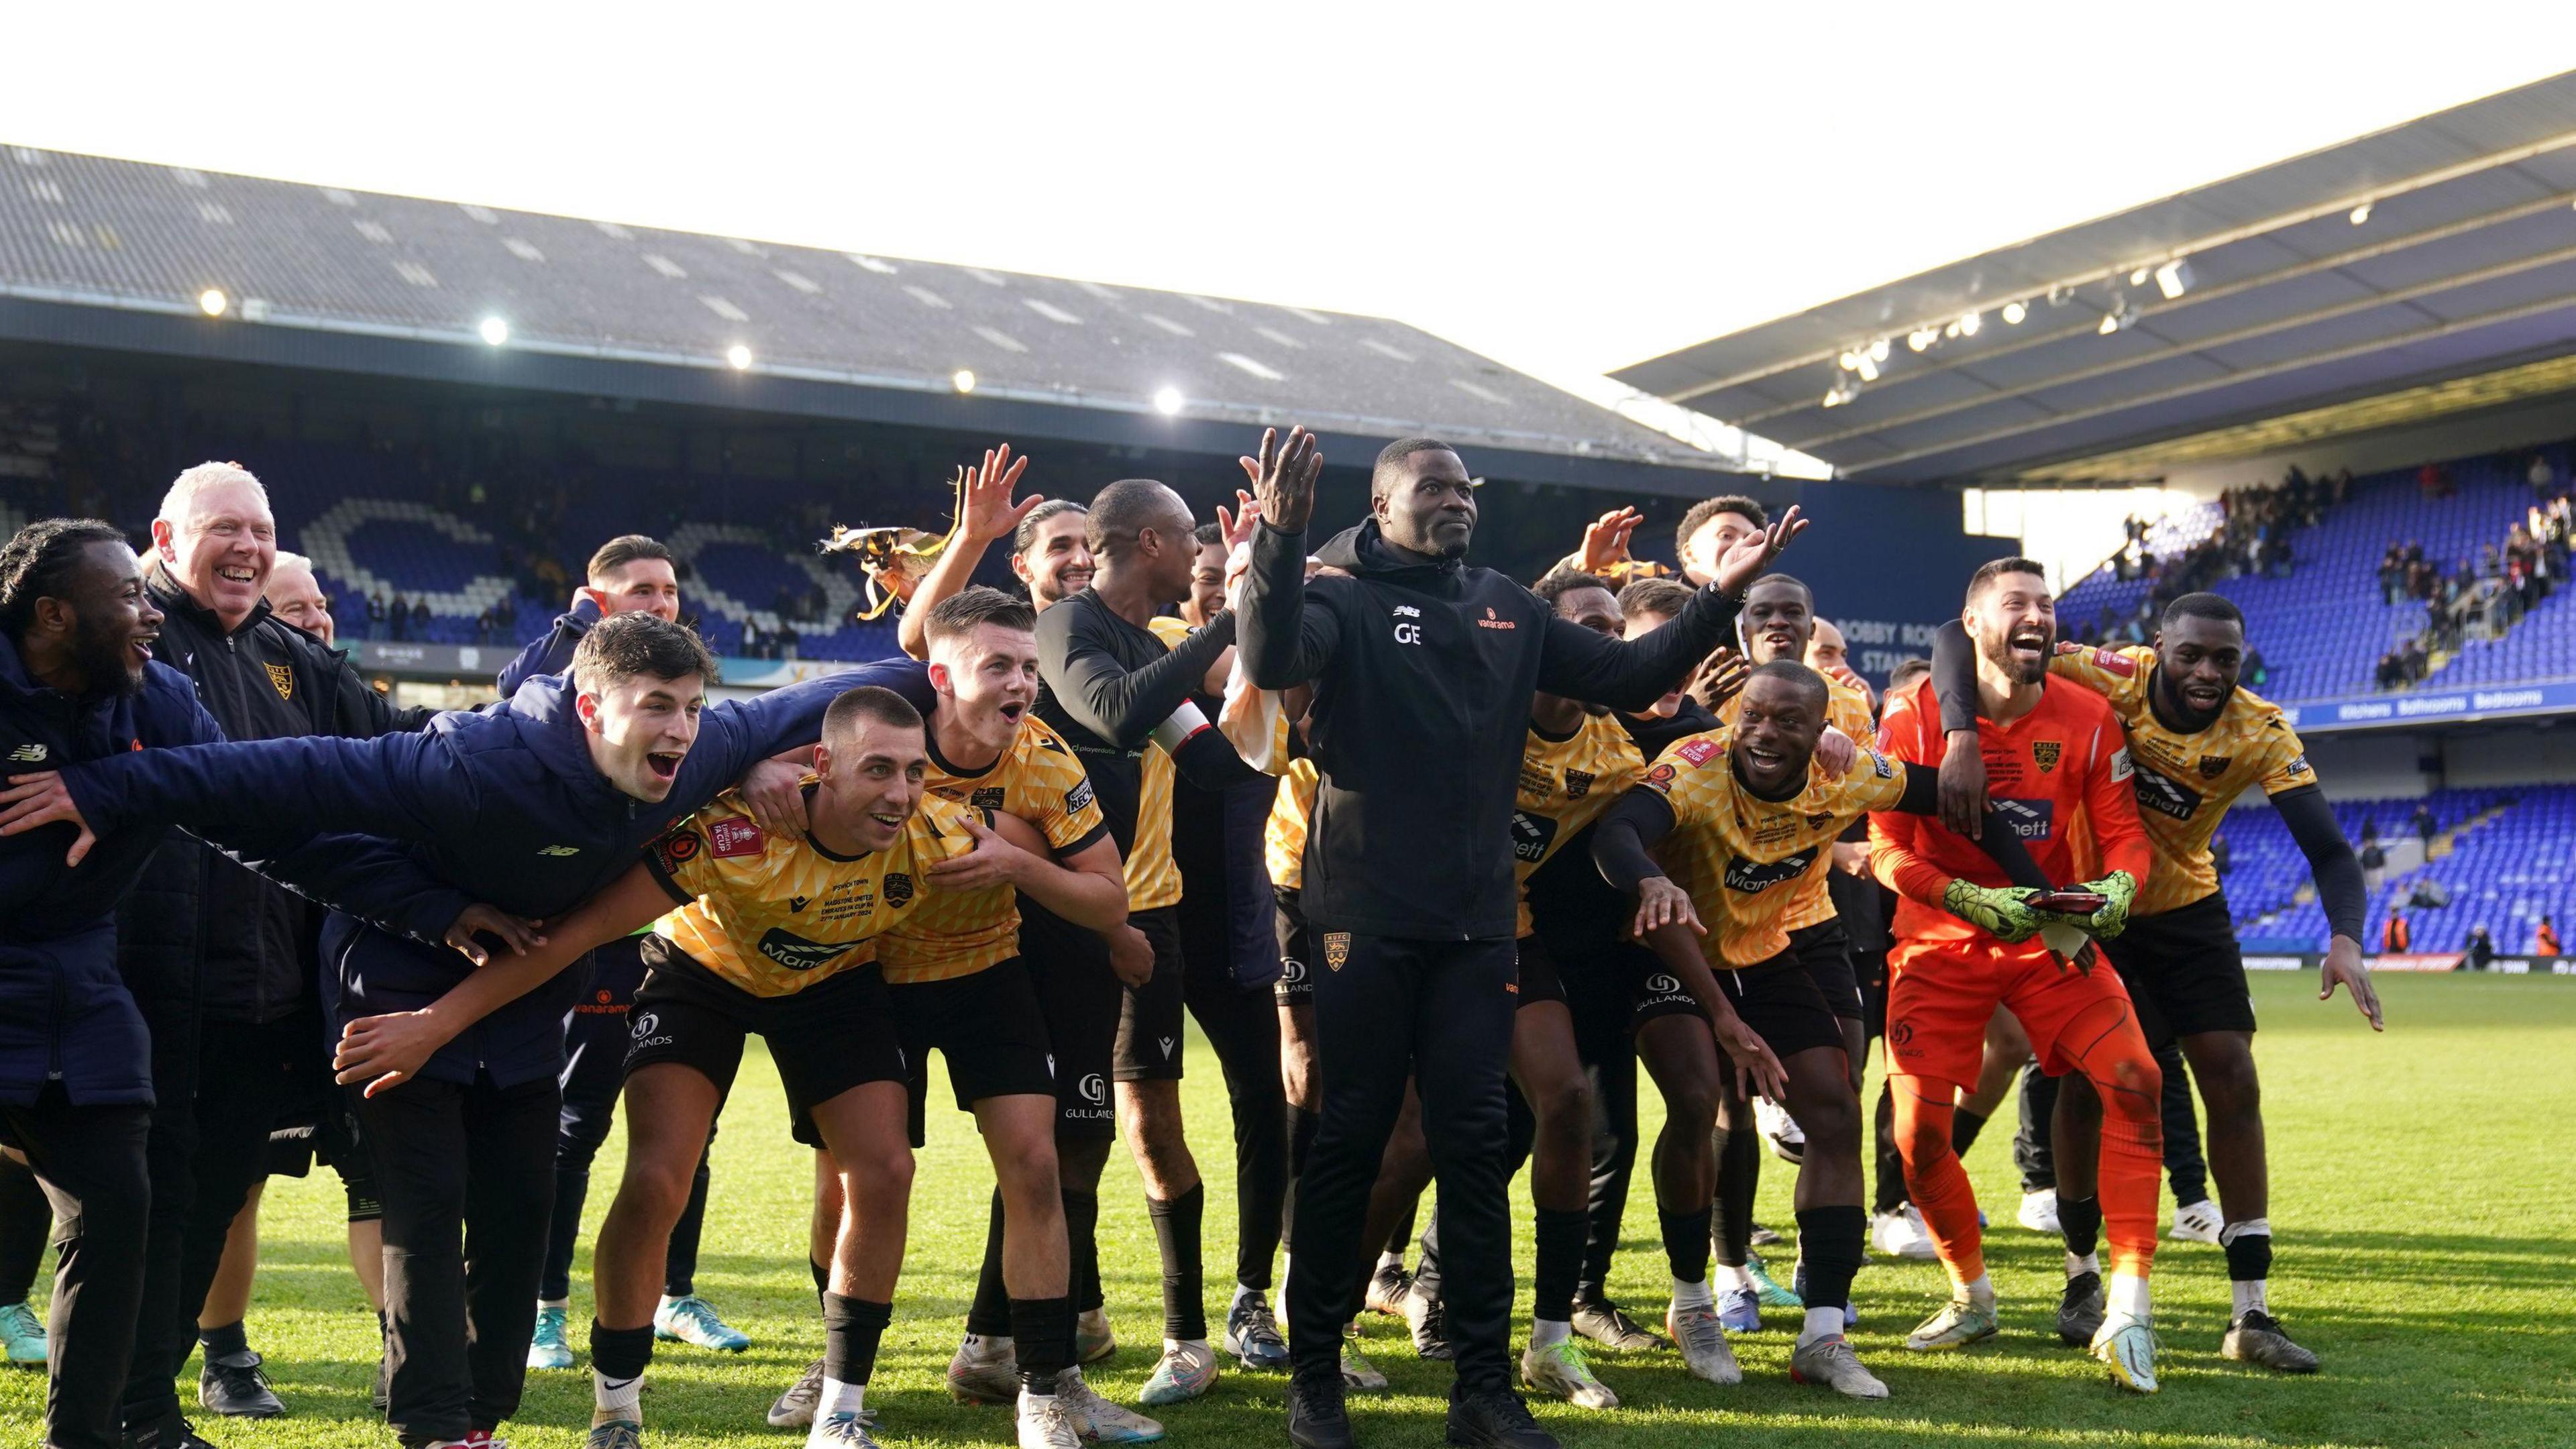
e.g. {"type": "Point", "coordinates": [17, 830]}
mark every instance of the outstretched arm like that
{"type": "Point", "coordinates": [1633, 674]}
{"type": "Point", "coordinates": [381, 1052]}
{"type": "Point", "coordinates": [1288, 637]}
{"type": "Point", "coordinates": [2340, 888]}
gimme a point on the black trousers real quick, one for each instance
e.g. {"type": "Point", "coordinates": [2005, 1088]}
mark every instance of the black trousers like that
{"type": "Point", "coordinates": [248, 1077]}
{"type": "Point", "coordinates": [468, 1175]}
{"type": "Point", "coordinates": [1242, 1026]}
{"type": "Point", "coordinates": [595, 1039]}
{"type": "Point", "coordinates": [2036, 1154]}
{"type": "Point", "coordinates": [26, 1221]}
{"type": "Point", "coordinates": [1439, 1012]}
{"type": "Point", "coordinates": [91, 1163]}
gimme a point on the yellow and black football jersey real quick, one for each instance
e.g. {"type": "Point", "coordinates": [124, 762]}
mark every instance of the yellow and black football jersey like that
{"type": "Point", "coordinates": [1811, 900]}
{"type": "Point", "coordinates": [775, 916]}
{"type": "Point", "coordinates": [2185, 782]}
{"type": "Point", "coordinates": [1153, 875]}
{"type": "Point", "coordinates": [1566, 783]}
{"type": "Point", "coordinates": [958, 933]}
{"type": "Point", "coordinates": [1741, 857]}
{"type": "Point", "coordinates": [1283, 840]}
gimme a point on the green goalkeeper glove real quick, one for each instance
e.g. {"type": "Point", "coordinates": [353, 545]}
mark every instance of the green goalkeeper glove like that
{"type": "Point", "coordinates": [2119, 890]}
{"type": "Point", "coordinates": [2003, 911]}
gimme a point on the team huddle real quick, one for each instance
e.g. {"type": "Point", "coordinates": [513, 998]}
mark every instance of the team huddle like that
{"type": "Point", "coordinates": [1434, 859]}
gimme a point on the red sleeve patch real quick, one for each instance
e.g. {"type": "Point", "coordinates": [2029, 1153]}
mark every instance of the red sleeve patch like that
{"type": "Point", "coordinates": [1661, 776]}
{"type": "Point", "coordinates": [1697, 751]}
{"type": "Point", "coordinates": [734, 838]}
{"type": "Point", "coordinates": [2114, 662]}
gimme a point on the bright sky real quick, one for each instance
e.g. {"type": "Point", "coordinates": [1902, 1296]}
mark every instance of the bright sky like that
{"type": "Point", "coordinates": [1566, 188]}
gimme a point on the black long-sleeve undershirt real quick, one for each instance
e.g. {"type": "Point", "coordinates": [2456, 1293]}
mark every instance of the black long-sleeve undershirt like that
{"type": "Point", "coordinates": [1080, 660]}
{"type": "Point", "coordinates": [2340, 888]}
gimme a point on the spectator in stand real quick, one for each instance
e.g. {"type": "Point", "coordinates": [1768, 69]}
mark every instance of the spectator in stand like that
{"type": "Point", "coordinates": [420, 617]}
{"type": "Point", "coordinates": [2257, 673]}
{"type": "Point", "coordinates": [2395, 937]}
{"type": "Point", "coordinates": [2421, 822]}
{"type": "Point", "coordinates": [296, 596]}
{"type": "Point", "coordinates": [2374, 865]}
{"type": "Point", "coordinates": [2544, 939]}
{"type": "Point", "coordinates": [2220, 853]}
{"type": "Point", "coordinates": [2481, 949]}
{"type": "Point", "coordinates": [2435, 481]}
{"type": "Point", "coordinates": [399, 614]}
{"type": "Point", "coordinates": [2542, 477]}
{"type": "Point", "coordinates": [2392, 671]}
{"type": "Point", "coordinates": [2369, 828]}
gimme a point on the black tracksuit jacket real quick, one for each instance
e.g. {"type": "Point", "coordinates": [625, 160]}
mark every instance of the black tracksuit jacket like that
{"type": "Point", "coordinates": [1424, 674]}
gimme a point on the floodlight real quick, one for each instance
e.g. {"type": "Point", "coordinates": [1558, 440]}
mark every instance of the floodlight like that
{"type": "Point", "coordinates": [494, 330]}
{"type": "Point", "coordinates": [212, 301]}
{"type": "Point", "coordinates": [1167, 400]}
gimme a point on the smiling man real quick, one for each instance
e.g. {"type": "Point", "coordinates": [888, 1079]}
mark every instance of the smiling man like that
{"type": "Point", "coordinates": [217, 955]}
{"type": "Point", "coordinates": [78, 682]}
{"type": "Point", "coordinates": [530, 806]}
{"type": "Point", "coordinates": [2198, 741]}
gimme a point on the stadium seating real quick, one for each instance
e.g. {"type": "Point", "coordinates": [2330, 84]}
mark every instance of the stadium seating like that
{"type": "Point", "coordinates": [2507, 865]}
{"type": "Point", "coordinates": [2103, 588]}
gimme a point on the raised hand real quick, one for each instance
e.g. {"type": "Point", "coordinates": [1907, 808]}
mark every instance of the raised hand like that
{"type": "Point", "coordinates": [1836, 752]}
{"type": "Point", "coordinates": [986, 513]}
{"type": "Point", "coordinates": [1605, 539]}
{"type": "Point", "coordinates": [1720, 678]}
{"type": "Point", "coordinates": [1236, 528]}
{"type": "Point", "coordinates": [1745, 562]}
{"type": "Point", "coordinates": [1283, 477]}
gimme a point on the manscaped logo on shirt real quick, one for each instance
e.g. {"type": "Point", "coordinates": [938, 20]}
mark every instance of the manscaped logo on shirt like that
{"type": "Point", "coordinates": [795, 952]}
{"type": "Point", "coordinates": [1750, 877]}
{"type": "Point", "coordinates": [2028, 819]}
{"type": "Point", "coordinates": [734, 838]}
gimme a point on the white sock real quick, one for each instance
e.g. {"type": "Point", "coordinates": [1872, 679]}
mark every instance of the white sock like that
{"type": "Point", "coordinates": [616, 1399]}
{"type": "Point", "coordinates": [667, 1301]}
{"type": "Point", "coordinates": [2128, 1298]}
{"type": "Point", "coordinates": [1980, 1292]}
{"type": "Point", "coordinates": [1821, 1323]}
{"type": "Point", "coordinates": [2250, 1297]}
{"type": "Point", "coordinates": [1693, 1295]}
{"type": "Point", "coordinates": [1242, 1292]}
{"type": "Point", "coordinates": [1391, 1260]}
{"type": "Point", "coordinates": [1546, 1331]}
{"type": "Point", "coordinates": [1027, 1394]}
{"type": "Point", "coordinates": [564, 1303]}
{"type": "Point", "coordinates": [839, 1398]}
{"type": "Point", "coordinates": [1737, 1275]}
{"type": "Point", "coordinates": [2089, 1263]}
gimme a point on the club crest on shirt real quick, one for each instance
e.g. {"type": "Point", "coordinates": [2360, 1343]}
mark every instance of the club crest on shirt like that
{"type": "Point", "coordinates": [732, 839]}
{"type": "Point", "coordinates": [2213, 766]}
{"type": "Point", "coordinates": [987, 798]}
{"type": "Point", "coordinates": [1578, 783]}
{"type": "Point", "coordinates": [284, 678]}
{"type": "Point", "coordinates": [898, 888]}
{"type": "Point", "coordinates": [2044, 753]}
{"type": "Point", "coordinates": [1337, 948]}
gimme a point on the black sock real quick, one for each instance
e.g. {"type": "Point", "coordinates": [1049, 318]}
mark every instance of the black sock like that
{"type": "Point", "coordinates": [26, 1221]}
{"type": "Point", "coordinates": [822, 1278]}
{"type": "Point", "coordinates": [2249, 1257]}
{"type": "Point", "coordinates": [1888, 1191]}
{"type": "Point", "coordinates": [1042, 1333]}
{"type": "Point", "coordinates": [1402, 1238]}
{"type": "Point", "coordinates": [219, 1342]}
{"type": "Point", "coordinates": [620, 1353]}
{"type": "Point", "coordinates": [2080, 1220]}
{"type": "Point", "coordinates": [1686, 1243]}
{"type": "Point", "coordinates": [1964, 1127]}
{"type": "Point", "coordinates": [1829, 1252]}
{"type": "Point", "coordinates": [1176, 1233]}
{"type": "Point", "coordinates": [851, 1329]}
{"type": "Point", "coordinates": [1082, 1237]}
{"type": "Point", "coordinates": [1739, 1173]}
{"type": "Point", "coordinates": [1559, 1261]}
{"type": "Point", "coordinates": [990, 1313]}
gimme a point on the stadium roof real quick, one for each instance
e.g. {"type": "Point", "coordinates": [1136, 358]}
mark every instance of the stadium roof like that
{"type": "Point", "coordinates": [2389, 279]}
{"type": "Point", "coordinates": [321, 273]}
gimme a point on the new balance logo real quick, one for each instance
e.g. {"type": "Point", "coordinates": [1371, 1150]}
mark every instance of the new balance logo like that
{"type": "Point", "coordinates": [26, 754]}
{"type": "Point", "coordinates": [560, 850]}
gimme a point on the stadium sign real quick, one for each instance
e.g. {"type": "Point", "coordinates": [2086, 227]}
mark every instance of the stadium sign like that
{"type": "Point", "coordinates": [2431, 707]}
{"type": "Point", "coordinates": [2420, 961]}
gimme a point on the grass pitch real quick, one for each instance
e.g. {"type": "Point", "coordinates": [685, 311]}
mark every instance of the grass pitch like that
{"type": "Point", "coordinates": [2424, 1203]}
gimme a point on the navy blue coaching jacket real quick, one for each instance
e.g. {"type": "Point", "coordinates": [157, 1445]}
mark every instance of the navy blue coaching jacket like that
{"type": "Point", "coordinates": [64, 1011]}
{"type": "Point", "coordinates": [501, 803]}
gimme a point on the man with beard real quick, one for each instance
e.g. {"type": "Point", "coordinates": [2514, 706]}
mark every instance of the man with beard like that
{"type": "Point", "coordinates": [221, 959]}
{"type": "Point", "coordinates": [1416, 659]}
{"type": "Point", "coordinates": [2197, 741]}
{"type": "Point", "coordinates": [2054, 749]}
{"type": "Point", "coordinates": [531, 807]}
{"type": "Point", "coordinates": [78, 682]}
{"type": "Point", "coordinates": [1741, 819]}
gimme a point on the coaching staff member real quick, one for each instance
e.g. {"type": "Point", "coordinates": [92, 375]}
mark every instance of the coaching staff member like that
{"type": "Point", "coordinates": [216, 955]}
{"type": "Point", "coordinates": [1424, 669]}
